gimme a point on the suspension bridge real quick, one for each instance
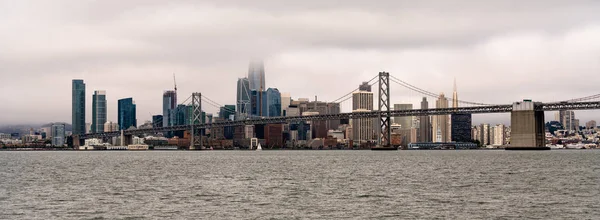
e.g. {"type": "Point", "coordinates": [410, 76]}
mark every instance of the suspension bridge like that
{"type": "Point", "coordinates": [527, 118]}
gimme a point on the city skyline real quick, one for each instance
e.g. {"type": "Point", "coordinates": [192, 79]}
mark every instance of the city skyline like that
{"type": "Point", "coordinates": [485, 65]}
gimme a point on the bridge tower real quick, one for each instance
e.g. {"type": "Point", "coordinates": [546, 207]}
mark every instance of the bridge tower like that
{"type": "Point", "coordinates": [384, 139]}
{"type": "Point", "coordinates": [195, 132]}
{"type": "Point", "coordinates": [528, 129]}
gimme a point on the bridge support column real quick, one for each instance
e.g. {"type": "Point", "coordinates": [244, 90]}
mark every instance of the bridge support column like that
{"type": "Point", "coordinates": [527, 126]}
{"type": "Point", "coordinates": [195, 133]}
{"type": "Point", "coordinates": [76, 142]}
{"type": "Point", "coordinates": [384, 138]}
{"type": "Point", "coordinates": [126, 140]}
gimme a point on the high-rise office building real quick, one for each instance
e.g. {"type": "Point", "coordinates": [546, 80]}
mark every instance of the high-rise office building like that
{"type": "Point", "coordinates": [362, 100]}
{"type": "Point", "coordinates": [286, 100]}
{"type": "Point", "coordinates": [425, 124]}
{"type": "Point", "coordinates": [157, 121]}
{"type": "Point", "coordinates": [461, 127]}
{"type": "Point", "coordinates": [272, 102]}
{"type": "Point", "coordinates": [485, 134]}
{"type": "Point", "coordinates": [169, 105]}
{"type": "Point", "coordinates": [78, 107]}
{"type": "Point", "coordinates": [243, 97]}
{"type": "Point", "coordinates": [406, 121]}
{"type": "Point", "coordinates": [499, 135]}
{"type": "Point", "coordinates": [567, 119]}
{"type": "Point", "coordinates": [363, 129]}
{"type": "Point", "coordinates": [266, 103]}
{"type": "Point", "coordinates": [98, 111]}
{"type": "Point", "coordinates": [441, 124]}
{"type": "Point", "coordinates": [256, 76]}
{"type": "Point", "coordinates": [226, 112]}
{"type": "Point", "coordinates": [127, 114]}
{"type": "Point", "coordinates": [110, 126]}
{"type": "Point", "coordinates": [58, 134]}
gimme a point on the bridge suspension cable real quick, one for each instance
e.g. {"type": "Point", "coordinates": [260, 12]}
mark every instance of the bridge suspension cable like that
{"type": "Point", "coordinates": [185, 102]}
{"type": "Point", "coordinates": [430, 94]}
{"type": "Point", "coordinates": [586, 98]}
{"type": "Point", "coordinates": [344, 98]}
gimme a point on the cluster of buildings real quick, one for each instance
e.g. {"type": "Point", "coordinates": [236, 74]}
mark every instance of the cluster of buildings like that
{"type": "Point", "coordinates": [566, 132]}
{"type": "Point", "coordinates": [126, 112]}
{"type": "Point", "coordinates": [255, 100]}
{"type": "Point", "coordinates": [53, 135]}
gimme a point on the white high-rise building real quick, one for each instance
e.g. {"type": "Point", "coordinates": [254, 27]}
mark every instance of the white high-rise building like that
{"type": "Point", "coordinates": [362, 100]}
{"type": "Point", "coordinates": [286, 99]}
{"type": "Point", "coordinates": [362, 128]}
{"type": "Point", "coordinates": [110, 126]}
{"type": "Point", "coordinates": [485, 135]}
{"type": "Point", "coordinates": [441, 123]}
{"type": "Point", "coordinates": [499, 135]}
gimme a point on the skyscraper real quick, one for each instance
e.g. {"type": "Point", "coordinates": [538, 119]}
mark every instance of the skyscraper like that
{"type": "Point", "coordinates": [286, 100]}
{"type": "Point", "coordinates": [225, 112]}
{"type": "Point", "coordinates": [363, 129]}
{"type": "Point", "coordinates": [256, 76]}
{"type": "Point", "coordinates": [405, 121]}
{"type": "Point", "coordinates": [461, 127]}
{"type": "Point", "coordinates": [126, 114]}
{"type": "Point", "coordinates": [157, 121]}
{"type": "Point", "coordinates": [243, 97]}
{"type": "Point", "coordinates": [78, 106]}
{"type": "Point", "coordinates": [455, 96]}
{"type": "Point", "coordinates": [169, 105]}
{"type": "Point", "coordinates": [58, 135]}
{"type": "Point", "coordinates": [362, 100]}
{"type": "Point", "coordinates": [441, 123]}
{"type": "Point", "coordinates": [98, 111]}
{"type": "Point", "coordinates": [460, 123]}
{"type": "Point", "coordinates": [271, 102]}
{"type": "Point", "coordinates": [425, 124]}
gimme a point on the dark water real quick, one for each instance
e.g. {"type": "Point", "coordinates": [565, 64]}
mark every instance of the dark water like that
{"type": "Point", "coordinates": [300, 185]}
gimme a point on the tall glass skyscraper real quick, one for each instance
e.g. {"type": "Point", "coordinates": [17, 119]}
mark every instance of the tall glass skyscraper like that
{"type": "Point", "coordinates": [127, 114]}
{"type": "Point", "coordinates": [243, 96]}
{"type": "Point", "coordinates": [256, 76]}
{"type": "Point", "coordinates": [266, 103]}
{"type": "Point", "coordinates": [272, 103]}
{"type": "Point", "coordinates": [169, 105]}
{"type": "Point", "coordinates": [78, 106]}
{"type": "Point", "coordinates": [98, 111]}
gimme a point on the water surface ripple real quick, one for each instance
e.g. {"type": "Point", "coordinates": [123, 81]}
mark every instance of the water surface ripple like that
{"type": "Point", "coordinates": [300, 185]}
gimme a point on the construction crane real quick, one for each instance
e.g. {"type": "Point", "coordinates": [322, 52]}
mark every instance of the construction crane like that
{"type": "Point", "coordinates": [175, 82]}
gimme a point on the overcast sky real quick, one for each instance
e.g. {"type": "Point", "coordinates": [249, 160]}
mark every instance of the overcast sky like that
{"type": "Point", "coordinates": [498, 51]}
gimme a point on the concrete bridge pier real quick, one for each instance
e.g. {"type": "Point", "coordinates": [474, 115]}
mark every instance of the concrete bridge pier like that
{"type": "Point", "coordinates": [76, 141]}
{"type": "Point", "coordinates": [126, 140]}
{"type": "Point", "coordinates": [528, 129]}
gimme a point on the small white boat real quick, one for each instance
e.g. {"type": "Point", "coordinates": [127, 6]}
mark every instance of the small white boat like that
{"type": "Point", "coordinates": [258, 148]}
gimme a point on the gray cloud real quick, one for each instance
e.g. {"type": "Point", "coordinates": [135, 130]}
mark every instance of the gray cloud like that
{"type": "Point", "coordinates": [499, 51]}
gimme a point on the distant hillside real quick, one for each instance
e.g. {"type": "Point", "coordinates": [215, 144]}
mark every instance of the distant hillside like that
{"type": "Point", "coordinates": [24, 128]}
{"type": "Point", "coordinates": [68, 126]}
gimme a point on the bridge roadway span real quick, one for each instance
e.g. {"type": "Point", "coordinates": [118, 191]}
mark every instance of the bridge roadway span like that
{"type": "Point", "coordinates": [371, 114]}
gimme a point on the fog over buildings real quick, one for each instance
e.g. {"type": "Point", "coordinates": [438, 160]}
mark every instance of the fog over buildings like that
{"type": "Point", "coordinates": [498, 51]}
